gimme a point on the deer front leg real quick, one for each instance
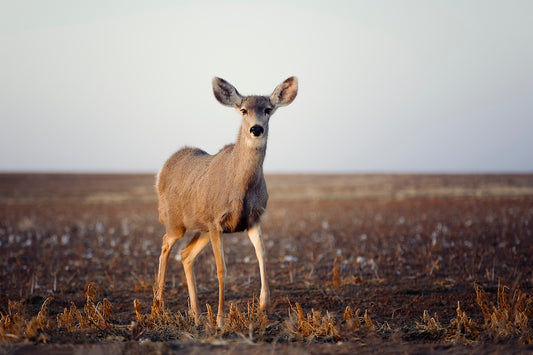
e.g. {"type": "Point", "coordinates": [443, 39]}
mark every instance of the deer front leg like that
{"type": "Point", "coordinates": [218, 251]}
{"type": "Point", "coordinates": [188, 254]}
{"type": "Point", "coordinates": [166, 246]}
{"type": "Point", "coordinates": [254, 234]}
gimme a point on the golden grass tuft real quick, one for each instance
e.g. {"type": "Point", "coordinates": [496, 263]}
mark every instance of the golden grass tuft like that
{"type": "Point", "coordinates": [15, 327]}
{"type": "Point", "coordinates": [254, 321]}
{"type": "Point", "coordinates": [236, 321]}
{"type": "Point", "coordinates": [430, 325]}
{"type": "Point", "coordinates": [335, 275]}
{"type": "Point", "coordinates": [210, 321]}
{"type": "Point", "coordinates": [509, 317]}
{"type": "Point", "coordinates": [251, 323]}
{"type": "Point", "coordinates": [67, 319]}
{"type": "Point", "coordinates": [368, 321]}
{"type": "Point", "coordinates": [337, 281]}
{"type": "Point", "coordinates": [36, 326]}
{"type": "Point", "coordinates": [351, 319]}
{"type": "Point", "coordinates": [137, 307]}
{"type": "Point", "coordinates": [12, 324]}
{"type": "Point", "coordinates": [161, 324]}
{"type": "Point", "coordinates": [311, 326]}
{"type": "Point", "coordinates": [97, 313]}
{"type": "Point", "coordinates": [462, 329]}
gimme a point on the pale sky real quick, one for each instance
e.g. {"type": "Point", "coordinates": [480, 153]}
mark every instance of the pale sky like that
{"type": "Point", "coordinates": [384, 86]}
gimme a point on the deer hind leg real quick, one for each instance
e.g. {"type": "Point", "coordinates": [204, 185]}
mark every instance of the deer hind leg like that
{"type": "Point", "coordinates": [218, 251]}
{"type": "Point", "coordinates": [254, 234]}
{"type": "Point", "coordinates": [188, 254]}
{"type": "Point", "coordinates": [166, 246]}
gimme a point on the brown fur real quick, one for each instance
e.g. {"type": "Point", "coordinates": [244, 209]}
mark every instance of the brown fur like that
{"type": "Point", "coordinates": [226, 191]}
{"type": "Point", "coordinates": [221, 193]}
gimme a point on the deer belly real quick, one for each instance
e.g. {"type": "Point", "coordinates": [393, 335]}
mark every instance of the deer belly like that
{"type": "Point", "coordinates": [239, 219]}
{"type": "Point", "coordinates": [234, 222]}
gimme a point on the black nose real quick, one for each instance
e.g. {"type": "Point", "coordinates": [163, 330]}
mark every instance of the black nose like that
{"type": "Point", "coordinates": [257, 130]}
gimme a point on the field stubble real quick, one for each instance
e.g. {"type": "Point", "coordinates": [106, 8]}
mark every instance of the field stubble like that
{"type": "Point", "coordinates": [394, 263]}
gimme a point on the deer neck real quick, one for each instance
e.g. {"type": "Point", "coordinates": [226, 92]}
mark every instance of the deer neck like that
{"type": "Point", "coordinates": [248, 158]}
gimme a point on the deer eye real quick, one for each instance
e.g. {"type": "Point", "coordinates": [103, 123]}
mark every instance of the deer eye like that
{"type": "Point", "coordinates": [243, 110]}
{"type": "Point", "coordinates": [268, 110]}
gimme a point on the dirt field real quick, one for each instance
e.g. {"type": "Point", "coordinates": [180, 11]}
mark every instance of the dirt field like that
{"type": "Point", "coordinates": [357, 263]}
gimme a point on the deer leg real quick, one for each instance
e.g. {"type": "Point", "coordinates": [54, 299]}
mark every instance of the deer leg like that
{"type": "Point", "coordinates": [218, 250]}
{"type": "Point", "coordinates": [254, 234]}
{"type": "Point", "coordinates": [188, 254]}
{"type": "Point", "coordinates": [168, 243]}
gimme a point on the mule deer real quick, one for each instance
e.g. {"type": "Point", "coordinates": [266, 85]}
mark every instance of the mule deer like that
{"type": "Point", "coordinates": [221, 193]}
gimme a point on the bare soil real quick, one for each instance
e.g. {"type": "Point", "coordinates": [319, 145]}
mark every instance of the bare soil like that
{"type": "Point", "coordinates": [387, 247]}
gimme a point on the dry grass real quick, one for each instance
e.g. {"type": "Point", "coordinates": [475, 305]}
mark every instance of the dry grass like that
{"type": "Point", "coordinates": [311, 326]}
{"type": "Point", "coordinates": [462, 329]}
{"type": "Point", "coordinates": [335, 275]}
{"type": "Point", "coordinates": [508, 318]}
{"type": "Point", "coordinates": [15, 327]}
{"type": "Point", "coordinates": [430, 325]}
{"type": "Point", "coordinates": [163, 324]}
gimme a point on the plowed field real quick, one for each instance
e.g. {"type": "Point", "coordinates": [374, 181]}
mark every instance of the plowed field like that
{"type": "Point", "coordinates": [356, 263]}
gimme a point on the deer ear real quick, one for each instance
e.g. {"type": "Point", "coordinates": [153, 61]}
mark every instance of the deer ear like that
{"type": "Point", "coordinates": [225, 93]}
{"type": "Point", "coordinates": [285, 93]}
